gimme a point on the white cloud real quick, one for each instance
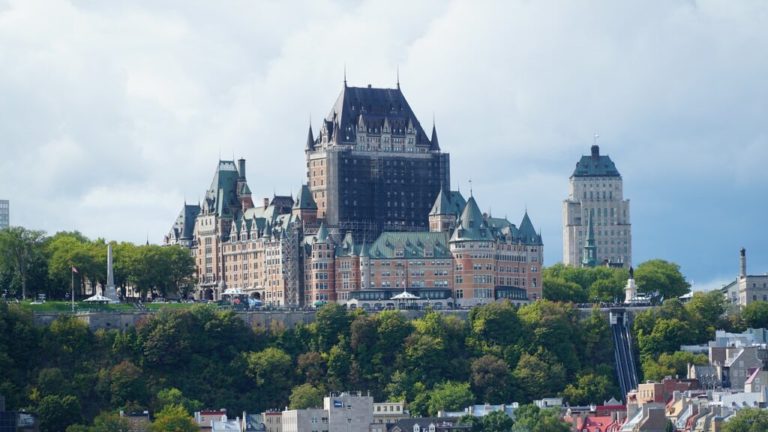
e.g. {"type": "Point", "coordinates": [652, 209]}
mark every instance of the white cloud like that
{"type": "Point", "coordinates": [130, 104]}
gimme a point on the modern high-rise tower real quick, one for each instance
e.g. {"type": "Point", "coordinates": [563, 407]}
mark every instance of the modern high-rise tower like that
{"type": "Point", "coordinates": [372, 167]}
{"type": "Point", "coordinates": [596, 194]}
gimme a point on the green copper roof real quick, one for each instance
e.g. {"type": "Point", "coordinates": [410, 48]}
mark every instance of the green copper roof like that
{"type": "Point", "coordinates": [472, 225]}
{"type": "Point", "coordinates": [322, 233]}
{"type": "Point", "coordinates": [442, 205]}
{"type": "Point", "coordinates": [595, 165]}
{"type": "Point", "coordinates": [410, 245]}
{"type": "Point", "coordinates": [304, 200]}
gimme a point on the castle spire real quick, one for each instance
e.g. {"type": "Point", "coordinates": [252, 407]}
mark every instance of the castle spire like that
{"type": "Point", "coordinates": [310, 139]}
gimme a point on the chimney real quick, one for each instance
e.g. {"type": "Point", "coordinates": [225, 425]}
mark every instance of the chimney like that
{"type": "Point", "coordinates": [241, 167]}
{"type": "Point", "coordinates": [266, 202]}
{"type": "Point", "coordinates": [743, 263]}
{"type": "Point", "coordinates": [595, 151]}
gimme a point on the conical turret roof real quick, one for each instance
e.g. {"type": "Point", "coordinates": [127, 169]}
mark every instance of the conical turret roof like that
{"type": "Point", "coordinates": [322, 234]}
{"type": "Point", "coordinates": [471, 224]}
{"type": "Point", "coordinates": [310, 140]}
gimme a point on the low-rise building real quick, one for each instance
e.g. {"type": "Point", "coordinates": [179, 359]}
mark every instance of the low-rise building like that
{"type": "Point", "coordinates": [306, 420]}
{"type": "Point", "coordinates": [204, 418]}
{"type": "Point", "coordinates": [389, 412]}
{"type": "Point", "coordinates": [746, 288]}
{"type": "Point", "coordinates": [349, 411]}
{"type": "Point", "coordinates": [273, 420]}
{"type": "Point", "coordinates": [429, 424]}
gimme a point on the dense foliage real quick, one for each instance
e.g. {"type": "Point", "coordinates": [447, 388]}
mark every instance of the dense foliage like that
{"type": "Point", "coordinates": [659, 332]}
{"type": "Point", "coordinates": [177, 362]}
{"type": "Point", "coordinates": [31, 264]}
{"type": "Point", "coordinates": [658, 279]}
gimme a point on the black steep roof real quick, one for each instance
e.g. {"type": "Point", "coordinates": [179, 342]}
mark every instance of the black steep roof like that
{"type": "Point", "coordinates": [375, 106]}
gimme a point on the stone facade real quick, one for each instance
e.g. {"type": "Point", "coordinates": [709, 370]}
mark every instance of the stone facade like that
{"type": "Point", "coordinates": [359, 235]}
{"type": "Point", "coordinates": [596, 193]}
{"type": "Point", "coordinates": [5, 214]}
{"type": "Point", "coordinates": [305, 420]}
{"type": "Point", "coordinates": [746, 288]}
{"type": "Point", "coordinates": [349, 411]}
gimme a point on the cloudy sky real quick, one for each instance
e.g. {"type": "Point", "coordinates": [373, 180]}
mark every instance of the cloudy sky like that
{"type": "Point", "coordinates": [113, 113]}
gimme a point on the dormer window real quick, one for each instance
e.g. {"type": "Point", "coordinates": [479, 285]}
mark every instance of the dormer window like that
{"type": "Point", "coordinates": [416, 428]}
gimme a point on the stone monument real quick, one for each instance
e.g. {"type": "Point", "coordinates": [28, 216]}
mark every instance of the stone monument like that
{"type": "Point", "coordinates": [109, 291]}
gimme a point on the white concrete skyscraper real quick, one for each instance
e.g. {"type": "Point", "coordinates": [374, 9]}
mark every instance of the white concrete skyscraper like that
{"type": "Point", "coordinates": [596, 193]}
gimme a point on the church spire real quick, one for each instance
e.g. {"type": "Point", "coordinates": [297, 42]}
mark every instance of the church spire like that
{"type": "Point", "coordinates": [589, 254]}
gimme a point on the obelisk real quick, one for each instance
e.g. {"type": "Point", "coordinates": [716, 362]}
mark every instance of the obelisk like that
{"type": "Point", "coordinates": [109, 291]}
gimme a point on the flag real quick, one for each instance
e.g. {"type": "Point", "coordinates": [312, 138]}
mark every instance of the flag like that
{"type": "Point", "coordinates": [74, 269]}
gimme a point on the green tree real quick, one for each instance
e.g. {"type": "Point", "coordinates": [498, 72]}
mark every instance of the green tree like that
{"type": "Point", "coordinates": [66, 250]}
{"type": "Point", "coordinates": [109, 422]}
{"type": "Point", "coordinates": [126, 384]}
{"type": "Point", "coordinates": [19, 249]}
{"type": "Point", "coordinates": [270, 369]}
{"type": "Point", "coordinates": [491, 379]}
{"type": "Point", "coordinates": [670, 364]}
{"type": "Point", "coordinates": [747, 420]}
{"type": "Point", "coordinates": [306, 396]}
{"type": "Point", "coordinates": [56, 412]}
{"type": "Point", "coordinates": [556, 328]}
{"type": "Point", "coordinates": [331, 323]}
{"type": "Point", "coordinates": [449, 396]}
{"type": "Point", "coordinates": [662, 279]}
{"type": "Point", "coordinates": [495, 323]}
{"type": "Point", "coordinates": [174, 396]}
{"type": "Point", "coordinates": [666, 337]}
{"type": "Point", "coordinates": [497, 421]}
{"type": "Point", "coordinates": [559, 289]}
{"type": "Point", "coordinates": [530, 418]}
{"type": "Point", "coordinates": [182, 269]}
{"type": "Point", "coordinates": [755, 314]}
{"type": "Point", "coordinates": [539, 375]}
{"type": "Point", "coordinates": [311, 366]}
{"type": "Point", "coordinates": [174, 418]}
{"type": "Point", "coordinates": [590, 388]}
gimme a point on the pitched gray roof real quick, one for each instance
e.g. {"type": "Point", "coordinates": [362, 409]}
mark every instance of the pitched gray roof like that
{"type": "Point", "coordinates": [472, 225]}
{"type": "Point", "coordinates": [527, 233]}
{"type": "Point", "coordinates": [595, 165]}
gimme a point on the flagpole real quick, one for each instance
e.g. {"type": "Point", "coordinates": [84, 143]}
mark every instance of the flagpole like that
{"type": "Point", "coordinates": [72, 287]}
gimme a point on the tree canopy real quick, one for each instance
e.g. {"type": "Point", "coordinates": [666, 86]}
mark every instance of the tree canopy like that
{"type": "Point", "coordinates": [32, 263]}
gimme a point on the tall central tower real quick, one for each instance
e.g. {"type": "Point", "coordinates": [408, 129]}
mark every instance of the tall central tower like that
{"type": "Point", "coordinates": [596, 215]}
{"type": "Point", "coordinates": [372, 167]}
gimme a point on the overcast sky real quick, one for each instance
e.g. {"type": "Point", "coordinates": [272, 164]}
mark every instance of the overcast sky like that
{"type": "Point", "coordinates": [113, 113]}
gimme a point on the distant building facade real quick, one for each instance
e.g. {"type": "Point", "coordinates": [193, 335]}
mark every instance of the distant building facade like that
{"type": "Point", "coordinates": [596, 195]}
{"type": "Point", "coordinates": [746, 288]}
{"type": "Point", "coordinates": [5, 214]}
{"type": "Point", "coordinates": [404, 231]}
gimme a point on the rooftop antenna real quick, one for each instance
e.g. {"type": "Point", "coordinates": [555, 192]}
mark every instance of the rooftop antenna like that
{"type": "Point", "coordinates": [594, 139]}
{"type": "Point", "coordinates": [470, 187]}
